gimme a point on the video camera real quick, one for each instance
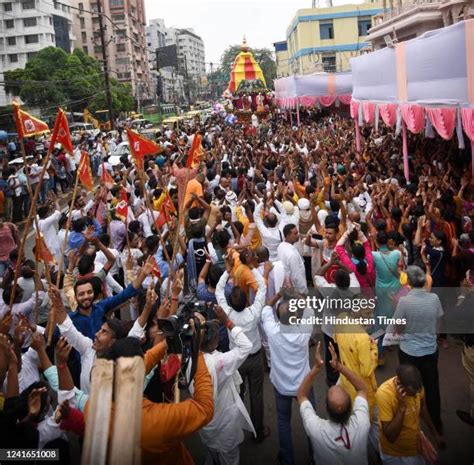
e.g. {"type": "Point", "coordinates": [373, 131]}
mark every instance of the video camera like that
{"type": "Point", "coordinates": [179, 334]}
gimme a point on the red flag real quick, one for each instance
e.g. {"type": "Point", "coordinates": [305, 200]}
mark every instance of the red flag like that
{"type": "Point", "coordinates": [61, 132]}
{"type": "Point", "coordinates": [84, 171]}
{"type": "Point", "coordinates": [27, 125]}
{"type": "Point", "coordinates": [155, 271]}
{"type": "Point", "coordinates": [121, 210]}
{"type": "Point", "coordinates": [105, 177]}
{"type": "Point", "coordinates": [140, 147]}
{"type": "Point", "coordinates": [195, 152]}
{"type": "Point", "coordinates": [41, 250]}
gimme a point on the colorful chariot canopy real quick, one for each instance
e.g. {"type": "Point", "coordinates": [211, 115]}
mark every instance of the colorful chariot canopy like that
{"type": "Point", "coordinates": [245, 69]}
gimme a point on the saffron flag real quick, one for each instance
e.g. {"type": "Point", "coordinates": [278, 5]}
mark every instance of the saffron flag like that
{"type": "Point", "coordinates": [140, 147]}
{"type": "Point", "coordinates": [167, 209]}
{"type": "Point", "coordinates": [105, 177]}
{"type": "Point", "coordinates": [41, 250]}
{"type": "Point", "coordinates": [61, 133]}
{"type": "Point", "coordinates": [27, 125]}
{"type": "Point", "coordinates": [195, 152]}
{"type": "Point", "coordinates": [121, 210]}
{"type": "Point", "coordinates": [84, 171]}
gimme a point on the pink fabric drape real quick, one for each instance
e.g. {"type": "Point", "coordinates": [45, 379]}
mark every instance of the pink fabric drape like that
{"type": "Point", "coordinates": [443, 120]}
{"type": "Point", "coordinates": [345, 99]}
{"type": "Point", "coordinates": [308, 101]}
{"type": "Point", "coordinates": [327, 100]}
{"type": "Point", "coordinates": [357, 131]}
{"type": "Point", "coordinates": [354, 109]}
{"type": "Point", "coordinates": [388, 113]}
{"type": "Point", "coordinates": [368, 110]}
{"type": "Point", "coordinates": [406, 167]}
{"type": "Point", "coordinates": [414, 117]}
{"type": "Point", "coordinates": [467, 116]}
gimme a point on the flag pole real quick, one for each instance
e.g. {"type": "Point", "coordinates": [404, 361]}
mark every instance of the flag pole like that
{"type": "Point", "coordinates": [68, 226]}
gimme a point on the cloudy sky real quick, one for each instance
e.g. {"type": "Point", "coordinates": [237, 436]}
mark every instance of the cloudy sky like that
{"type": "Point", "coordinates": [224, 22]}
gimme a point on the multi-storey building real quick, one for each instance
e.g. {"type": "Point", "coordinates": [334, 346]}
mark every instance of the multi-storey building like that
{"type": "Point", "coordinates": [324, 39]}
{"type": "Point", "coordinates": [29, 26]}
{"type": "Point", "coordinates": [190, 71]}
{"type": "Point", "coordinates": [406, 19]}
{"type": "Point", "coordinates": [281, 55]}
{"type": "Point", "coordinates": [125, 40]}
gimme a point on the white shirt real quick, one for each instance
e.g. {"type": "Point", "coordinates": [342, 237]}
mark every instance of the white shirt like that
{"type": "Point", "coordinates": [225, 431]}
{"type": "Point", "coordinates": [294, 266]}
{"type": "Point", "coordinates": [248, 318]}
{"type": "Point", "coordinates": [271, 237]}
{"type": "Point", "coordinates": [323, 433]}
{"type": "Point", "coordinates": [83, 345]}
{"type": "Point", "coordinates": [330, 289]}
{"type": "Point", "coordinates": [48, 227]}
{"type": "Point", "coordinates": [145, 218]}
{"type": "Point", "coordinates": [289, 352]}
{"type": "Point", "coordinates": [102, 260]}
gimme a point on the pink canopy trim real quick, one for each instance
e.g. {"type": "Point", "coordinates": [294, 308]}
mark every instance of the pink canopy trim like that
{"type": "Point", "coordinates": [414, 117]}
{"type": "Point", "coordinates": [308, 101]}
{"type": "Point", "coordinates": [388, 112]}
{"type": "Point", "coordinates": [327, 101]}
{"type": "Point", "coordinates": [345, 99]}
{"type": "Point", "coordinates": [443, 120]}
{"type": "Point", "coordinates": [354, 109]}
{"type": "Point", "coordinates": [467, 116]}
{"type": "Point", "coordinates": [368, 110]}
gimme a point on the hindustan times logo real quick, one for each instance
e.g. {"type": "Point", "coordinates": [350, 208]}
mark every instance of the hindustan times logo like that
{"type": "Point", "coordinates": [321, 304]}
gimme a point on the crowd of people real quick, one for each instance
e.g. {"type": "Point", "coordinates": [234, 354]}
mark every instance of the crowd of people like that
{"type": "Point", "coordinates": [267, 218]}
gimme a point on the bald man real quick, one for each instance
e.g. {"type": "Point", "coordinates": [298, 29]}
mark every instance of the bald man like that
{"type": "Point", "coordinates": [343, 438]}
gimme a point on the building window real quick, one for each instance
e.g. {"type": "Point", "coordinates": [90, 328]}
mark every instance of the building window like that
{"type": "Point", "coordinates": [120, 47]}
{"type": "Point", "coordinates": [9, 23]}
{"type": "Point", "coordinates": [118, 17]}
{"type": "Point", "coordinates": [84, 36]}
{"type": "Point", "coordinates": [7, 7]}
{"type": "Point", "coordinates": [32, 39]}
{"type": "Point", "coordinates": [114, 3]}
{"type": "Point", "coordinates": [28, 5]}
{"type": "Point", "coordinates": [83, 23]}
{"type": "Point", "coordinates": [81, 6]}
{"type": "Point", "coordinates": [329, 64]}
{"type": "Point", "coordinates": [85, 49]}
{"type": "Point", "coordinates": [56, 5]}
{"type": "Point", "coordinates": [11, 40]}
{"type": "Point", "coordinates": [97, 49]}
{"type": "Point", "coordinates": [326, 31]}
{"type": "Point", "coordinates": [13, 58]}
{"type": "Point", "coordinates": [30, 22]}
{"type": "Point", "coordinates": [364, 24]}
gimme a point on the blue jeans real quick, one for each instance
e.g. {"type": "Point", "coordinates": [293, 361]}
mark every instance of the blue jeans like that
{"type": "Point", "coordinates": [283, 407]}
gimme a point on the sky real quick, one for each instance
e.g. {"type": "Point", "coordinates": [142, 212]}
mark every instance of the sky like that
{"type": "Point", "coordinates": [221, 23]}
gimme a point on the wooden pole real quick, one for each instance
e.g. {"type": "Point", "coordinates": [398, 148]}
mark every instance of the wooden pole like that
{"type": "Point", "coordinates": [27, 226]}
{"type": "Point", "coordinates": [127, 423]}
{"type": "Point", "coordinates": [97, 432]}
{"type": "Point", "coordinates": [68, 226]}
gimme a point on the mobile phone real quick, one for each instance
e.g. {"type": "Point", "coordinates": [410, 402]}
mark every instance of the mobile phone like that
{"type": "Point", "coordinates": [317, 237]}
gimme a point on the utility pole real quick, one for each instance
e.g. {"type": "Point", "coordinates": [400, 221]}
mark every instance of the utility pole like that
{"type": "Point", "coordinates": [188, 96]}
{"type": "Point", "coordinates": [106, 65]}
{"type": "Point", "coordinates": [212, 80]}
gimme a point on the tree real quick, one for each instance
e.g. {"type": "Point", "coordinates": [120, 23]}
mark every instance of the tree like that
{"type": "Point", "coordinates": [263, 56]}
{"type": "Point", "coordinates": [55, 78]}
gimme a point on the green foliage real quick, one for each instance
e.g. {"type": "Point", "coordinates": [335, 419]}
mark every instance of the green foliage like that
{"type": "Point", "coordinates": [55, 78]}
{"type": "Point", "coordinates": [263, 56]}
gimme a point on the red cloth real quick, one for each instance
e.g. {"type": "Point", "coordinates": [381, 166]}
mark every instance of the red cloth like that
{"type": "Point", "coordinates": [74, 422]}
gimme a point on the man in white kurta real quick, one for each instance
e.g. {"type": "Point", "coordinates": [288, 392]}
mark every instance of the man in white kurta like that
{"type": "Point", "coordinates": [292, 260]}
{"type": "Point", "coordinates": [48, 227]}
{"type": "Point", "coordinates": [225, 432]}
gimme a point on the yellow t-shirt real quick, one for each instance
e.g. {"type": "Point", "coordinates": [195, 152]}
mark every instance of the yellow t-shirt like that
{"type": "Point", "coordinates": [358, 352]}
{"type": "Point", "coordinates": [256, 239]}
{"type": "Point", "coordinates": [406, 444]}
